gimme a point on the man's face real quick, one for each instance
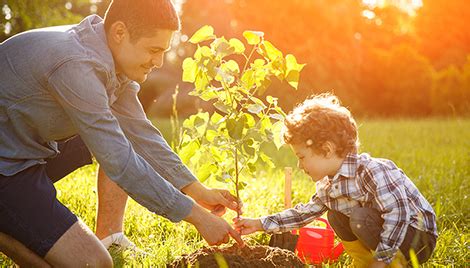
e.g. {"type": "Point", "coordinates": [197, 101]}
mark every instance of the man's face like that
{"type": "Point", "coordinates": [137, 58]}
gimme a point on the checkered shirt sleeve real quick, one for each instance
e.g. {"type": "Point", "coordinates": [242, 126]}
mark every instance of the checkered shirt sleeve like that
{"type": "Point", "coordinates": [294, 218]}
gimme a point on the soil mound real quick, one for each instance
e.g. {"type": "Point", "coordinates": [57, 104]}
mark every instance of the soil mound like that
{"type": "Point", "coordinates": [234, 257]}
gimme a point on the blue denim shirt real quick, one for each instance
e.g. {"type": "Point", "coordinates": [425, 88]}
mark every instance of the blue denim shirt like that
{"type": "Point", "coordinates": [59, 82]}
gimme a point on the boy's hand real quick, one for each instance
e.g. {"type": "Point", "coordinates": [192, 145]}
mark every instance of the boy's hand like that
{"type": "Point", "coordinates": [247, 226]}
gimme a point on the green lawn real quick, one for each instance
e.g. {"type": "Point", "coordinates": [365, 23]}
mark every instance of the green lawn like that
{"type": "Point", "coordinates": [435, 154]}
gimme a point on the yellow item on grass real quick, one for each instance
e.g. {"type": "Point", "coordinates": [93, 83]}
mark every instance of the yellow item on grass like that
{"type": "Point", "coordinates": [361, 255]}
{"type": "Point", "coordinates": [399, 261]}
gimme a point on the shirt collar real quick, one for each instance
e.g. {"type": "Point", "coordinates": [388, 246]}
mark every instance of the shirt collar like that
{"type": "Point", "coordinates": [92, 33]}
{"type": "Point", "coordinates": [348, 167]}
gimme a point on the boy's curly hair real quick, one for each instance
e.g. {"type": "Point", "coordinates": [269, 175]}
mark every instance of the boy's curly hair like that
{"type": "Point", "coordinates": [321, 118]}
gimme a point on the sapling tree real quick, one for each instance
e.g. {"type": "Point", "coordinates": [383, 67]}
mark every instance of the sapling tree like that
{"type": "Point", "coordinates": [226, 144]}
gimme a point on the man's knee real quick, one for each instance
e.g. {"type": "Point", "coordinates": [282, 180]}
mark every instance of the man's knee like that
{"type": "Point", "coordinates": [104, 260]}
{"type": "Point", "coordinates": [79, 246]}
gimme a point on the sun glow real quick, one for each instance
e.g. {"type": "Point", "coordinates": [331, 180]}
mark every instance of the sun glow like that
{"type": "Point", "coordinates": [409, 6]}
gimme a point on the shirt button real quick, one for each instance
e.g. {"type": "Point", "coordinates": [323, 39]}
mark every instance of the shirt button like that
{"type": "Point", "coordinates": [336, 187]}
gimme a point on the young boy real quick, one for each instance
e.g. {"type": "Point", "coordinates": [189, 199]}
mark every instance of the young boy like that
{"type": "Point", "coordinates": [371, 203]}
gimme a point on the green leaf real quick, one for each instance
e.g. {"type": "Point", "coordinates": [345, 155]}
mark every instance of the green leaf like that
{"type": "Point", "coordinates": [235, 127]}
{"type": "Point", "coordinates": [188, 151]}
{"type": "Point", "coordinates": [277, 117]}
{"type": "Point", "coordinates": [210, 135]}
{"type": "Point", "coordinates": [248, 79]}
{"type": "Point", "coordinates": [253, 37]}
{"type": "Point", "coordinates": [203, 52]}
{"type": "Point", "coordinates": [205, 171]}
{"type": "Point", "coordinates": [271, 51]}
{"type": "Point", "coordinates": [250, 121]}
{"type": "Point", "coordinates": [220, 105]}
{"type": "Point", "coordinates": [248, 148]}
{"type": "Point", "coordinates": [271, 100]}
{"type": "Point", "coordinates": [224, 76]}
{"type": "Point", "coordinates": [291, 64]}
{"type": "Point", "coordinates": [277, 134]}
{"type": "Point", "coordinates": [222, 47]}
{"type": "Point", "coordinates": [206, 32]}
{"type": "Point", "coordinates": [215, 153]}
{"type": "Point", "coordinates": [258, 63]}
{"type": "Point", "coordinates": [237, 45]}
{"type": "Point", "coordinates": [208, 94]}
{"type": "Point", "coordinates": [265, 124]}
{"type": "Point", "coordinates": [266, 159]}
{"type": "Point", "coordinates": [201, 82]}
{"type": "Point", "coordinates": [189, 70]}
{"type": "Point", "coordinates": [264, 84]}
{"type": "Point", "coordinates": [293, 78]}
{"type": "Point", "coordinates": [216, 118]}
{"type": "Point", "coordinates": [232, 66]}
{"type": "Point", "coordinates": [293, 71]}
{"type": "Point", "coordinates": [242, 185]}
{"type": "Point", "coordinates": [255, 108]}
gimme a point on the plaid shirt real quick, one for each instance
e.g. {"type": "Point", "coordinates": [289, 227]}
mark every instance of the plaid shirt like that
{"type": "Point", "coordinates": [363, 181]}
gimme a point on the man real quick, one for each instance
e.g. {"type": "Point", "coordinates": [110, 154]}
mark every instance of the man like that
{"type": "Point", "coordinates": [70, 91]}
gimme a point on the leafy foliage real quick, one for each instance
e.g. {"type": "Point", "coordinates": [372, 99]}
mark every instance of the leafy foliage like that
{"type": "Point", "coordinates": [226, 143]}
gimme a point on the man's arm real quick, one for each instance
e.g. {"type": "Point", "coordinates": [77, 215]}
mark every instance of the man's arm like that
{"type": "Point", "coordinates": [149, 143]}
{"type": "Point", "coordinates": [80, 90]}
{"type": "Point", "coordinates": [147, 140]}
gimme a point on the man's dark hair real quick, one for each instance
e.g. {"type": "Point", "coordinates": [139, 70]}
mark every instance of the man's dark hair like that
{"type": "Point", "coordinates": [142, 17]}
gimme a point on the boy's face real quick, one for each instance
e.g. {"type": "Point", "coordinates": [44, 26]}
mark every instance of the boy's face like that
{"type": "Point", "coordinates": [137, 58]}
{"type": "Point", "coordinates": [316, 165]}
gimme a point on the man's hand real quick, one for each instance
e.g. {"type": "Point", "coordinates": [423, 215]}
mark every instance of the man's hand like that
{"type": "Point", "coordinates": [247, 226]}
{"type": "Point", "coordinates": [215, 200]}
{"type": "Point", "coordinates": [213, 229]}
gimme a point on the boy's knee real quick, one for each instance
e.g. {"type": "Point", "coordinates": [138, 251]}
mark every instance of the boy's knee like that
{"type": "Point", "coordinates": [336, 218]}
{"type": "Point", "coordinates": [362, 219]}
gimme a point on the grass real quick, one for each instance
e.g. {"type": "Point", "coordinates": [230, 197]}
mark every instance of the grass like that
{"type": "Point", "coordinates": [434, 153]}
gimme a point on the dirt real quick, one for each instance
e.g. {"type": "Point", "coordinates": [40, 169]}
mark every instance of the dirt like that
{"type": "Point", "coordinates": [249, 256]}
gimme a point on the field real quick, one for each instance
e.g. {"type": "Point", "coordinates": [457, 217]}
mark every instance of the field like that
{"type": "Point", "coordinates": [435, 154]}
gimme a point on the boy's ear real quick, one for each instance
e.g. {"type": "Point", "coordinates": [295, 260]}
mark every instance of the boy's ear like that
{"type": "Point", "coordinates": [329, 148]}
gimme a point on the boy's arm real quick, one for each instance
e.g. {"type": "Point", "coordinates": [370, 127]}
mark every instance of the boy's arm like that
{"type": "Point", "coordinates": [294, 218]}
{"type": "Point", "coordinates": [79, 89]}
{"type": "Point", "coordinates": [387, 187]}
{"type": "Point", "coordinates": [147, 140]}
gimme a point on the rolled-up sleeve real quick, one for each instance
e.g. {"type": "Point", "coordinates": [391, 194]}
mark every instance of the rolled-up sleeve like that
{"type": "Point", "coordinates": [147, 140]}
{"type": "Point", "coordinates": [79, 87]}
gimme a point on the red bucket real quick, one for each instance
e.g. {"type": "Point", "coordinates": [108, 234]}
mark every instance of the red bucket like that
{"type": "Point", "coordinates": [316, 244]}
